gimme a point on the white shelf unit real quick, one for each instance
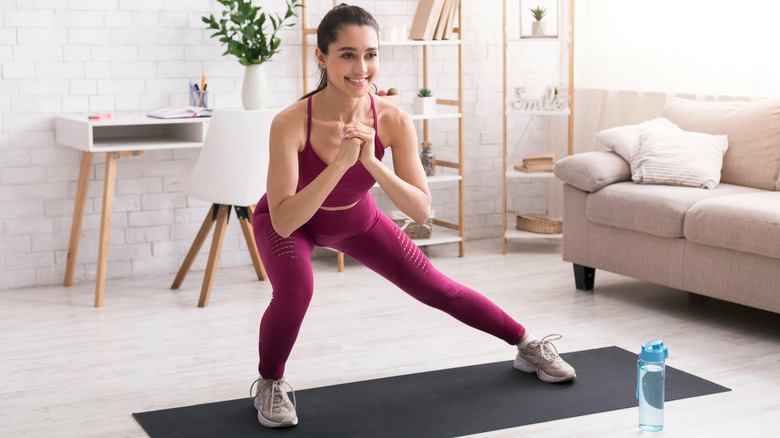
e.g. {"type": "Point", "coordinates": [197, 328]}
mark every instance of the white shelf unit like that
{"type": "Point", "coordinates": [420, 43]}
{"type": "Point", "coordinates": [519, 234]}
{"type": "Point", "coordinates": [446, 232]}
{"type": "Point", "coordinates": [512, 173]}
{"type": "Point", "coordinates": [565, 112]}
{"type": "Point", "coordinates": [435, 116]}
{"type": "Point", "coordinates": [509, 171]}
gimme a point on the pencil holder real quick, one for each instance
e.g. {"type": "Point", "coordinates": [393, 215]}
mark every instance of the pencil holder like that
{"type": "Point", "coordinates": [199, 98]}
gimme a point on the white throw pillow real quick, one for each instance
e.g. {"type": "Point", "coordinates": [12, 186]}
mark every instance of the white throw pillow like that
{"type": "Point", "coordinates": [625, 140]}
{"type": "Point", "coordinates": [680, 158]}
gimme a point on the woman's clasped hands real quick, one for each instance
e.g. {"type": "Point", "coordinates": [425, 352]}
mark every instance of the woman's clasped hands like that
{"type": "Point", "coordinates": [357, 143]}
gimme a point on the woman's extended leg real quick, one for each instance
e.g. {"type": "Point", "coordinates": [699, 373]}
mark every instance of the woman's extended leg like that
{"type": "Point", "coordinates": [387, 250]}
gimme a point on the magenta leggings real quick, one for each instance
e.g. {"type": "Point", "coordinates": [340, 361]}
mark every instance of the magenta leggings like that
{"type": "Point", "coordinates": [368, 236]}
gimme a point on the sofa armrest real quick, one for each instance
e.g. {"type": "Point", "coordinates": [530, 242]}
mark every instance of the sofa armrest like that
{"type": "Point", "coordinates": [590, 171]}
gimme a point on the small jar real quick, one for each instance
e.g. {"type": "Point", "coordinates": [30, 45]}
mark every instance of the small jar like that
{"type": "Point", "coordinates": [428, 159]}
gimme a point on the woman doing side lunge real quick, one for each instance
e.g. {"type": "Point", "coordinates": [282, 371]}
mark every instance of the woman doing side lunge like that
{"type": "Point", "coordinates": [325, 154]}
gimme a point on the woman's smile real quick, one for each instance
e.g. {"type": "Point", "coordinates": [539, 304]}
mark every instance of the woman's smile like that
{"type": "Point", "coordinates": [358, 81]}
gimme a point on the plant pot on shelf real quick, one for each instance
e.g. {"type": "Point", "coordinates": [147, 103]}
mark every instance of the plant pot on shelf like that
{"type": "Point", "coordinates": [424, 105]}
{"type": "Point", "coordinates": [537, 28]}
{"type": "Point", "coordinates": [254, 91]}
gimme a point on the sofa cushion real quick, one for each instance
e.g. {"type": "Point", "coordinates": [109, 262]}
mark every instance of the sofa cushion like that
{"type": "Point", "coordinates": [626, 140]}
{"type": "Point", "coordinates": [590, 171]}
{"type": "Point", "coordinates": [753, 129]}
{"type": "Point", "coordinates": [691, 159]}
{"type": "Point", "coordinates": [748, 222]}
{"type": "Point", "coordinates": [658, 210]}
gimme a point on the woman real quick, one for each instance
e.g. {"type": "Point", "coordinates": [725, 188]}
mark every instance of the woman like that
{"type": "Point", "coordinates": [325, 154]}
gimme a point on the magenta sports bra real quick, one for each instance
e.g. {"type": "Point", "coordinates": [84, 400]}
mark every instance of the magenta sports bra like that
{"type": "Point", "coordinates": [355, 182]}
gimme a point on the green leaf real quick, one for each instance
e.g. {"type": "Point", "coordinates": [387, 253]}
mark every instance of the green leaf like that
{"type": "Point", "coordinates": [249, 33]}
{"type": "Point", "coordinates": [242, 30]}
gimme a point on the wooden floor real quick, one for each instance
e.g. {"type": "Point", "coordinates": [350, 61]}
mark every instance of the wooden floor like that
{"type": "Point", "coordinates": [72, 370]}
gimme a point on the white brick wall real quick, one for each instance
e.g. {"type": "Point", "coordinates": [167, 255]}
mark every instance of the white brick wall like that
{"type": "Point", "coordinates": [88, 56]}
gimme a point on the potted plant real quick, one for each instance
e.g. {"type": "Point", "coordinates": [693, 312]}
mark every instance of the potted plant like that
{"type": "Point", "coordinates": [424, 102]}
{"type": "Point", "coordinates": [243, 29]}
{"type": "Point", "coordinates": [537, 26]}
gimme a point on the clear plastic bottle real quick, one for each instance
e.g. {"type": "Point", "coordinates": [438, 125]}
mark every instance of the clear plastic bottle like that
{"type": "Point", "coordinates": [428, 159]}
{"type": "Point", "coordinates": [651, 370]}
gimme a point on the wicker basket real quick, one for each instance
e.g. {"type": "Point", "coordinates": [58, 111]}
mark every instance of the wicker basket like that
{"type": "Point", "coordinates": [539, 223]}
{"type": "Point", "coordinates": [410, 227]}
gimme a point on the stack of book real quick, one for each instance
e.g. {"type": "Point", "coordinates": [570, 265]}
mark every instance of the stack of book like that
{"type": "Point", "coordinates": [534, 163]}
{"type": "Point", "coordinates": [434, 20]}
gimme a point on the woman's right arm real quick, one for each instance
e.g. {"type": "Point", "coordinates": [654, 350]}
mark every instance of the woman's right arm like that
{"type": "Point", "coordinates": [290, 210]}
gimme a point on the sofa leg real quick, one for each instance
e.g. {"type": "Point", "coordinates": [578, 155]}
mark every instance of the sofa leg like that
{"type": "Point", "coordinates": [583, 277]}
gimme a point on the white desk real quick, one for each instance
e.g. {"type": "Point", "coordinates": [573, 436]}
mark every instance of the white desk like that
{"type": "Point", "coordinates": [121, 136]}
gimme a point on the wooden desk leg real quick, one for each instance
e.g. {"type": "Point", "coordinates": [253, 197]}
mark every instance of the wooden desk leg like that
{"type": "Point", "coordinates": [78, 215]}
{"type": "Point", "coordinates": [245, 215]}
{"type": "Point", "coordinates": [216, 247]}
{"type": "Point", "coordinates": [105, 226]}
{"type": "Point", "coordinates": [340, 258]}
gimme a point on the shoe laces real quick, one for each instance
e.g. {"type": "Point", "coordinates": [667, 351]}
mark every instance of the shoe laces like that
{"type": "Point", "coordinates": [277, 399]}
{"type": "Point", "coordinates": [549, 352]}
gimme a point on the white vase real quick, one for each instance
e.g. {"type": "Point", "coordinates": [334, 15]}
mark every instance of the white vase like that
{"type": "Point", "coordinates": [424, 105]}
{"type": "Point", "coordinates": [254, 91]}
{"type": "Point", "coordinates": [537, 28]}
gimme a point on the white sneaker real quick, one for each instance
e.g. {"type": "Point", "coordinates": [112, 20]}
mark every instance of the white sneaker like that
{"type": "Point", "coordinates": [273, 406]}
{"type": "Point", "coordinates": [542, 358]}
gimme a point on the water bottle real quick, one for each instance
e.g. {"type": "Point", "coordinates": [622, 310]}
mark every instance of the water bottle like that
{"type": "Point", "coordinates": [651, 368]}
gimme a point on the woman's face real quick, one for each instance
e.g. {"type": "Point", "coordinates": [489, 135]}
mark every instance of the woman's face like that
{"type": "Point", "coordinates": [352, 62]}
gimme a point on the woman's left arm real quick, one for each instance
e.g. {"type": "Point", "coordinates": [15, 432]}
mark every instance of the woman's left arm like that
{"type": "Point", "coordinates": [406, 186]}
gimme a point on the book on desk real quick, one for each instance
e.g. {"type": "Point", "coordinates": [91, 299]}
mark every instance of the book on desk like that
{"type": "Point", "coordinates": [183, 112]}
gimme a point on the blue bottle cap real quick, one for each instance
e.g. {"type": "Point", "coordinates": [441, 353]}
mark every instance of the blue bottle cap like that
{"type": "Point", "coordinates": [654, 351]}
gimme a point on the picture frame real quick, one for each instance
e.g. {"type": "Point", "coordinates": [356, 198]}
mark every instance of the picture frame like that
{"type": "Point", "coordinates": [547, 27]}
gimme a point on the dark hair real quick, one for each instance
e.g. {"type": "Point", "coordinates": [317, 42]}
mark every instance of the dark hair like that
{"type": "Point", "coordinates": [338, 17]}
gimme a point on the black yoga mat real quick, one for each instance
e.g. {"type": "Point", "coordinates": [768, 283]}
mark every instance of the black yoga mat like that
{"type": "Point", "coordinates": [445, 403]}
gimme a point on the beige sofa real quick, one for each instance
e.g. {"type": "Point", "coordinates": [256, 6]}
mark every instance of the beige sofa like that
{"type": "Point", "coordinates": [722, 242]}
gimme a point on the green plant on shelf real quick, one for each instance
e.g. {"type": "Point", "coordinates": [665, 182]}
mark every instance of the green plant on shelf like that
{"type": "Point", "coordinates": [425, 92]}
{"type": "Point", "coordinates": [538, 13]}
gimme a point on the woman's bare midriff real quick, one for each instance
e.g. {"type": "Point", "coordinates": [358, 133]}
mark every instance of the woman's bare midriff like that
{"type": "Point", "coordinates": [343, 207]}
